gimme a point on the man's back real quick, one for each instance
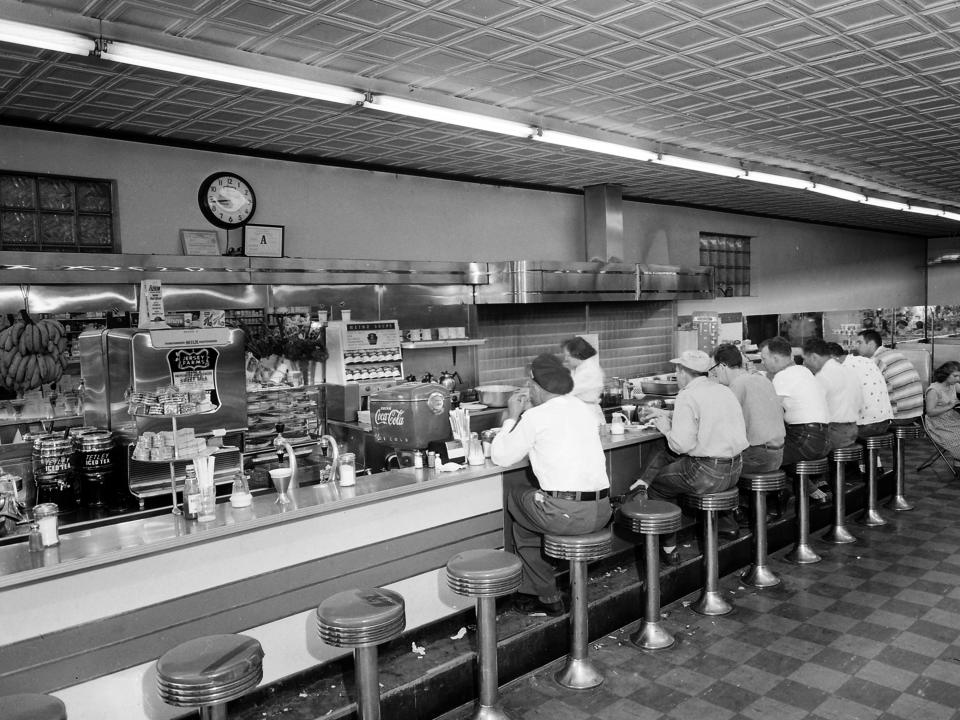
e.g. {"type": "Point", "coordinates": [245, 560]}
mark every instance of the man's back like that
{"type": "Point", "coordinates": [875, 396]}
{"type": "Point", "coordinates": [804, 400]}
{"type": "Point", "coordinates": [707, 421]}
{"type": "Point", "coordinates": [762, 411]}
{"type": "Point", "coordinates": [903, 383]}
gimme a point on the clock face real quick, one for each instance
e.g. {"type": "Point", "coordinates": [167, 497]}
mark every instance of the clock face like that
{"type": "Point", "coordinates": [226, 200]}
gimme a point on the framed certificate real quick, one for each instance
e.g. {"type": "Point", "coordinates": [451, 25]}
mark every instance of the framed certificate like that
{"type": "Point", "coordinates": [263, 240]}
{"type": "Point", "coordinates": [200, 242]}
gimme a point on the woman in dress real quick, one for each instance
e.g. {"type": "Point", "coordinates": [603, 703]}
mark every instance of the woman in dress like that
{"type": "Point", "coordinates": [580, 357]}
{"type": "Point", "coordinates": [943, 421]}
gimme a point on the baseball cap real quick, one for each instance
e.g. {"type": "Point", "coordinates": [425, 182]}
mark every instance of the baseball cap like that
{"type": "Point", "coordinates": [550, 374]}
{"type": "Point", "coordinates": [696, 360]}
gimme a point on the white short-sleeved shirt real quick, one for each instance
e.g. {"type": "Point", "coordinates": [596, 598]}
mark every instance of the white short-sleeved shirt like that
{"type": "Point", "coordinates": [804, 400]}
{"type": "Point", "coordinates": [873, 390]}
{"type": "Point", "coordinates": [842, 387]}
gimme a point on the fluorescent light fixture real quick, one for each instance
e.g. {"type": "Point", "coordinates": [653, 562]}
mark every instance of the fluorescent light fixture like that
{"type": "Point", "coordinates": [223, 72]}
{"type": "Point", "coordinates": [45, 38]}
{"type": "Point", "coordinates": [837, 192]}
{"type": "Point", "coordinates": [700, 166]}
{"type": "Point", "coordinates": [600, 146]}
{"type": "Point", "coordinates": [781, 180]}
{"type": "Point", "coordinates": [925, 210]}
{"type": "Point", "coordinates": [889, 204]}
{"type": "Point", "coordinates": [436, 113]}
{"type": "Point", "coordinates": [952, 216]}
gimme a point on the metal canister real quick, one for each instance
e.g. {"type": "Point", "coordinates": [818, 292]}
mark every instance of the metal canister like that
{"type": "Point", "coordinates": [52, 462]}
{"type": "Point", "coordinates": [94, 451]}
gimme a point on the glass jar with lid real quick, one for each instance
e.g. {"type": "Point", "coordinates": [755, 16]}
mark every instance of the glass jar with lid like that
{"type": "Point", "coordinates": [347, 469]}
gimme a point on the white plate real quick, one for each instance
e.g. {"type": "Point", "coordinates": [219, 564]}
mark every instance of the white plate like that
{"type": "Point", "coordinates": [473, 406]}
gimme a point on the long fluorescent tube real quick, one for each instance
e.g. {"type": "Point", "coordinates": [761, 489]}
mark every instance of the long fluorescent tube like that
{"type": "Point", "coordinates": [700, 166]}
{"type": "Point", "coordinates": [781, 180]}
{"type": "Point", "coordinates": [952, 216]}
{"type": "Point", "coordinates": [436, 113]}
{"type": "Point", "coordinates": [45, 38]}
{"type": "Point", "coordinates": [925, 210]}
{"type": "Point", "coordinates": [838, 193]}
{"type": "Point", "coordinates": [889, 204]}
{"type": "Point", "coordinates": [223, 72]}
{"type": "Point", "coordinates": [581, 143]}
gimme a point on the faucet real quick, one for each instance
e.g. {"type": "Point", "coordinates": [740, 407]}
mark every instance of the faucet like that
{"type": "Point", "coordinates": [284, 448]}
{"type": "Point", "coordinates": [328, 441]}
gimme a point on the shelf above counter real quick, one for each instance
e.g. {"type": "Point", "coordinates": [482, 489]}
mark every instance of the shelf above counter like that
{"type": "Point", "coordinates": [457, 342]}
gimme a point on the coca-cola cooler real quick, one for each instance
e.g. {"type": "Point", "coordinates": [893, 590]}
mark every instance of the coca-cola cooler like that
{"type": "Point", "coordinates": [410, 416]}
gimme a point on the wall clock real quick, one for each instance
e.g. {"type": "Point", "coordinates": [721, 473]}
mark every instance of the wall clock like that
{"type": "Point", "coordinates": [226, 200]}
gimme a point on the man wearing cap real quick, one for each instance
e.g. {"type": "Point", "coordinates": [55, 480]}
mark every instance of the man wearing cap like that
{"type": "Point", "coordinates": [707, 432]}
{"type": "Point", "coordinates": [558, 432]}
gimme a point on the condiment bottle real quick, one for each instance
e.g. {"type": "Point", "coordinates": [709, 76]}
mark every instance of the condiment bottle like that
{"type": "Point", "coordinates": [191, 494]}
{"type": "Point", "coordinates": [45, 516]}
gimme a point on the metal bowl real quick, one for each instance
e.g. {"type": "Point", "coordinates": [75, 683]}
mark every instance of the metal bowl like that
{"type": "Point", "coordinates": [659, 385]}
{"type": "Point", "coordinates": [495, 395]}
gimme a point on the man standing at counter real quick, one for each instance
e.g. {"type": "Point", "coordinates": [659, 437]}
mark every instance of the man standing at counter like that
{"type": "Point", "coordinates": [558, 432]}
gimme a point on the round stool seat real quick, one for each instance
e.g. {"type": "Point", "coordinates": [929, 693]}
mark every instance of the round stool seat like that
{"type": "Point", "coordinates": [724, 500]}
{"type": "Point", "coordinates": [847, 454]}
{"type": "Point", "coordinates": [591, 546]}
{"type": "Point", "coordinates": [32, 706]}
{"type": "Point", "coordinates": [812, 467]}
{"type": "Point", "coordinates": [907, 432]}
{"type": "Point", "coordinates": [361, 617]}
{"type": "Point", "coordinates": [763, 482]}
{"type": "Point", "coordinates": [484, 573]}
{"type": "Point", "coordinates": [649, 517]}
{"type": "Point", "coordinates": [878, 442]}
{"type": "Point", "coordinates": [208, 670]}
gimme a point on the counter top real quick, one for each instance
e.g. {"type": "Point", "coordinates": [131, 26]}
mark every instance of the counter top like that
{"type": "Point", "coordinates": [123, 541]}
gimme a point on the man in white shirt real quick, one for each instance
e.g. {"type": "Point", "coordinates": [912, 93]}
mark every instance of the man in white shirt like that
{"type": "Point", "coordinates": [842, 387]}
{"type": "Point", "coordinates": [805, 411]}
{"type": "Point", "coordinates": [875, 410]}
{"type": "Point", "coordinates": [558, 432]}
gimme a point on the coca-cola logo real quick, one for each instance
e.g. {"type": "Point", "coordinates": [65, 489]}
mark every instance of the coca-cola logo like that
{"type": "Point", "coordinates": [388, 416]}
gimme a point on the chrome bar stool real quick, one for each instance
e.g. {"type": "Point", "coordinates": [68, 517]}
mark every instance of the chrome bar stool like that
{"type": "Point", "coordinates": [485, 575]}
{"type": "Point", "coordinates": [838, 533]}
{"type": "Point", "coordinates": [711, 602]}
{"type": "Point", "coordinates": [362, 619]}
{"type": "Point", "coordinates": [578, 672]}
{"type": "Point", "coordinates": [802, 553]}
{"type": "Point", "coordinates": [870, 516]}
{"type": "Point", "coordinates": [32, 706]}
{"type": "Point", "coordinates": [207, 672]}
{"type": "Point", "coordinates": [902, 433]}
{"type": "Point", "coordinates": [759, 574]}
{"type": "Point", "coordinates": [651, 518]}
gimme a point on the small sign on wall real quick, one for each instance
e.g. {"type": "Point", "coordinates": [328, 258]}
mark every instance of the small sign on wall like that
{"type": "Point", "coordinates": [263, 240]}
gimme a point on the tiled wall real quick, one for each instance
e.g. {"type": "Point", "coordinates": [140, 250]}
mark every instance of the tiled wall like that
{"type": "Point", "coordinates": [636, 339]}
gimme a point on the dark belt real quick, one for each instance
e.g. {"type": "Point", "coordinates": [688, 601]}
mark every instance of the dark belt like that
{"type": "Point", "coordinates": [810, 425]}
{"type": "Point", "coordinates": [574, 495]}
{"type": "Point", "coordinates": [771, 446]}
{"type": "Point", "coordinates": [716, 461]}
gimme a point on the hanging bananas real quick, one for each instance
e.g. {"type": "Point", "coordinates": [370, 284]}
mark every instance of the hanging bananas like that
{"type": "Point", "coordinates": [32, 353]}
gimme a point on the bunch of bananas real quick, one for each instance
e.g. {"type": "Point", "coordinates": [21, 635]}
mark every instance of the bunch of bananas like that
{"type": "Point", "coordinates": [32, 352]}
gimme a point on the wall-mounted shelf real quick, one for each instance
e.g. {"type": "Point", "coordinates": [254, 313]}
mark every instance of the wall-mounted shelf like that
{"type": "Point", "coordinates": [459, 342]}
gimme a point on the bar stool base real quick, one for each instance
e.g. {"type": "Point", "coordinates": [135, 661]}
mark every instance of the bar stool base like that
{"type": "Point", "coordinates": [760, 576]}
{"type": "Point", "coordinates": [898, 503]}
{"type": "Point", "coordinates": [839, 536]}
{"type": "Point", "coordinates": [652, 636]}
{"type": "Point", "coordinates": [579, 674]}
{"type": "Point", "coordinates": [871, 518]}
{"type": "Point", "coordinates": [489, 712]}
{"type": "Point", "coordinates": [802, 555]}
{"type": "Point", "coordinates": [711, 603]}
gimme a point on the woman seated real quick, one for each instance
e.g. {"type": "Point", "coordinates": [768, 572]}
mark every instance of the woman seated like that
{"type": "Point", "coordinates": [580, 357]}
{"type": "Point", "coordinates": [943, 421]}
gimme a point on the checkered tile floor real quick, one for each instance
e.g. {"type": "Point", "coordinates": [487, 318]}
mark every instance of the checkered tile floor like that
{"type": "Point", "coordinates": [870, 633]}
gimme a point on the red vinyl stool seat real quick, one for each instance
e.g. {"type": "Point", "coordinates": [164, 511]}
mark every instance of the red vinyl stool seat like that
{"type": "Point", "coordinates": [32, 706]}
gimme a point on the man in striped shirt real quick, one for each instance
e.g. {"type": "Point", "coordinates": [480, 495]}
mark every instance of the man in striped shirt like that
{"type": "Point", "coordinates": [903, 380]}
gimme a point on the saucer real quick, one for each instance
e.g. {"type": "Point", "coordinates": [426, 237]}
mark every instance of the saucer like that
{"type": "Point", "coordinates": [472, 406]}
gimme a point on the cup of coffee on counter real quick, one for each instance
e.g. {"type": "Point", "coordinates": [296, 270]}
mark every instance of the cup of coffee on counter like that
{"type": "Point", "coordinates": [628, 411]}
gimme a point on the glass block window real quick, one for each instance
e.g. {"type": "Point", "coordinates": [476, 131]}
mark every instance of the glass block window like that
{"type": "Point", "coordinates": [729, 256]}
{"type": "Point", "coordinates": [57, 214]}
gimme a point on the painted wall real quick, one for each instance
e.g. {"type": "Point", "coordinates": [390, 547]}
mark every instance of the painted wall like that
{"type": "Point", "coordinates": [335, 212]}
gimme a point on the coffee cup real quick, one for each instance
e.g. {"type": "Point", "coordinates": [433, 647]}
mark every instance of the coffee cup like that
{"type": "Point", "coordinates": [617, 424]}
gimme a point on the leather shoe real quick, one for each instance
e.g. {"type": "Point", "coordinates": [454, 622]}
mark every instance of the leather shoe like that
{"type": "Point", "coordinates": [727, 527]}
{"type": "Point", "coordinates": [742, 517]}
{"type": "Point", "coordinates": [728, 533]}
{"type": "Point", "coordinates": [535, 607]}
